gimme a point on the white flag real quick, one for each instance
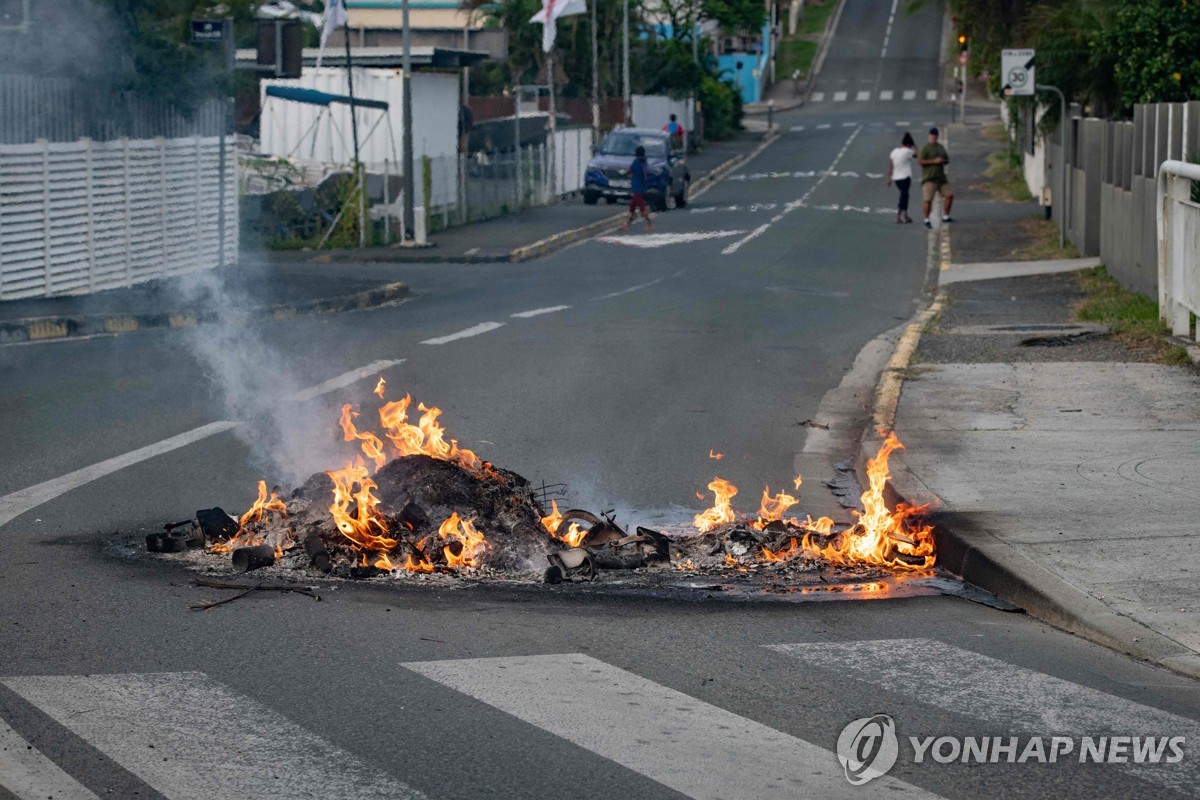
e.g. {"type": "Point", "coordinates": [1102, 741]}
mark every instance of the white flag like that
{"type": "Point", "coordinates": [335, 17]}
{"type": "Point", "coordinates": [552, 10]}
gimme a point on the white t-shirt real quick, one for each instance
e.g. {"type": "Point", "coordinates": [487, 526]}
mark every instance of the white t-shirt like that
{"type": "Point", "coordinates": [902, 161]}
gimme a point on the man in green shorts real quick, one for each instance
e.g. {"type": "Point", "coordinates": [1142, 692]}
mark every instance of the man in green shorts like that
{"type": "Point", "coordinates": [933, 159]}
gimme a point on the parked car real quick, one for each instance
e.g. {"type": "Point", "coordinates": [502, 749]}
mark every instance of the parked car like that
{"type": "Point", "coordinates": [608, 171]}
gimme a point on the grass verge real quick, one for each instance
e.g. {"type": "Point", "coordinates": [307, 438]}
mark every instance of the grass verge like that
{"type": "Point", "coordinates": [1006, 178]}
{"type": "Point", "coordinates": [1041, 241]}
{"type": "Point", "coordinates": [1132, 316]}
{"type": "Point", "coordinates": [815, 16]}
{"type": "Point", "coordinates": [796, 57]}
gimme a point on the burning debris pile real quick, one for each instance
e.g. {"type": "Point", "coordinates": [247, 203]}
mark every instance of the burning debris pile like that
{"type": "Point", "coordinates": [413, 502]}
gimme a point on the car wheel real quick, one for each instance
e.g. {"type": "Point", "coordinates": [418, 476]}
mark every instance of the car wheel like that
{"type": "Point", "coordinates": [612, 201]}
{"type": "Point", "coordinates": [657, 202]}
{"type": "Point", "coordinates": [591, 198]}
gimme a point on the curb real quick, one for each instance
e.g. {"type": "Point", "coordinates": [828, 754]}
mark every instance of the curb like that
{"type": "Point", "coordinates": [37, 329]}
{"type": "Point", "coordinates": [822, 51]}
{"type": "Point", "coordinates": [977, 556]}
{"type": "Point", "coordinates": [702, 184]}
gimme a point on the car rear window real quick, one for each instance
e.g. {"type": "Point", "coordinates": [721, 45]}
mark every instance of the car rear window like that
{"type": "Point", "coordinates": [625, 144]}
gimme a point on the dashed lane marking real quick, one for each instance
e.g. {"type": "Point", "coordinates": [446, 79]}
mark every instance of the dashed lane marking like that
{"type": "Point", "coordinates": [474, 330]}
{"type": "Point", "coordinates": [537, 312]}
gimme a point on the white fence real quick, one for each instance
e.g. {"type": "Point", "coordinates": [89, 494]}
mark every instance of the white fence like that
{"type": "Point", "coordinates": [84, 216]}
{"type": "Point", "coordinates": [1178, 246]}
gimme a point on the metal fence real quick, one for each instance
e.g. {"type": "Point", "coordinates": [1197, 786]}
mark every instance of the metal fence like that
{"type": "Point", "coordinates": [1179, 245]}
{"type": "Point", "coordinates": [62, 110]}
{"type": "Point", "coordinates": [85, 216]}
{"type": "Point", "coordinates": [467, 189]}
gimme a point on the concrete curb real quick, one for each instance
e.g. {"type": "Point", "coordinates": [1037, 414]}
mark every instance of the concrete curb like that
{"type": "Point", "coordinates": [558, 241]}
{"type": "Point", "coordinates": [979, 557]}
{"type": "Point", "coordinates": [36, 329]}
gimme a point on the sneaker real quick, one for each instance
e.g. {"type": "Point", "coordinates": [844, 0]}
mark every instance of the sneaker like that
{"type": "Point", "coordinates": [947, 219]}
{"type": "Point", "coordinates": [929, 224]}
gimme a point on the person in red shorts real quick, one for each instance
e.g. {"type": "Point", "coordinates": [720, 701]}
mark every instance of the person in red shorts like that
{"type": "Point", "coordinates": [639, 175]}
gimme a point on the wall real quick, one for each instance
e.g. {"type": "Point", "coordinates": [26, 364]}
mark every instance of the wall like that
{"type": "Point", "coordinates": [1110, 211]}
{"type": "Point", "coordinates": [84, 216]}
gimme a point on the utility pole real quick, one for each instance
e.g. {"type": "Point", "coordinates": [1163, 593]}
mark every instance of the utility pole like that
{"type": "Point", "coordinates": [359, 186]}
{"type": "Point", "coordinates": [552, 143]}
{"type": "Point", "coordinates": [406, 121]}
{"type": "Point", "coordinates": [595, 78]}
{"type": "Point", "coordinates": [625, 58]}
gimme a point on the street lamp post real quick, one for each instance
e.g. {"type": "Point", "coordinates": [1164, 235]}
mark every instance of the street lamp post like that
{"type": "Point", "coordinates": [625, 58]}
{"type": "Point", "coordinates": [406, 121]}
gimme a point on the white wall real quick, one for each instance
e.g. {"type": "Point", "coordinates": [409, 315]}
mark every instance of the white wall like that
{"type": "Point", "coordinates": [81, 217]}
{"type": "Point", "coordinates": [655, 110]}
{"type": "Point", "coordinates": [318, 133]}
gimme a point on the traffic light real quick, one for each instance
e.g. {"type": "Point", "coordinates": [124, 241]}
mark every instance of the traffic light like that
{"type": "Point", "coordinates": [962, 43]}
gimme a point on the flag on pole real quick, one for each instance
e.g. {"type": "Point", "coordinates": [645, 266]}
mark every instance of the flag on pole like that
{"type": "Point", "coordinates": [335, 17]}
{"type": "Point", "coordinates": [552, 10]}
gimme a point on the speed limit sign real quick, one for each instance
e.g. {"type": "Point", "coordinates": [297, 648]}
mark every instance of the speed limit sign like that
{"type": "Point", "coordinates": [1016, 70]}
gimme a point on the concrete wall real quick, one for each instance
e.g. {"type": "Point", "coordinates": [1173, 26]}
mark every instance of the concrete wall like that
{"type": "Point", "coordinates": [1110, 210]}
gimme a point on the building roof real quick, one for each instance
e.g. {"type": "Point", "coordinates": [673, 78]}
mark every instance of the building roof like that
{"type": "Point", "coordinates": [382, 57]}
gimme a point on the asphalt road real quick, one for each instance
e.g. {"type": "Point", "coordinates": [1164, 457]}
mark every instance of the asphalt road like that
{"type": "Point", "coordinates": [641, 360]}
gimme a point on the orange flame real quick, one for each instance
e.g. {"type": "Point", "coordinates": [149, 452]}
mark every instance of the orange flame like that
{"type": "Point", "coordinates": [574, 536]}
{"type": "Point", "coordinates": [462, 531]}
{"type": "Point", "coordinates": [371, 444]}
{"type": "Point", "coordinates": [420, 565]}
{"type": "Point", "coordinates": [721, 511]}
{"type": "Point", "coordinates": [730, 561]}
{"type": "Point", "coordinates": [367, 526]}
{"type": "Point", "coordinates": [791, 551]}
{"type": "Point", "coordinates": [880, 537]}
{"type": "Point", "coordinates": [773, 508]}
{"type": "Point", "coordinates": [383, 562]}
{"type": "Point", "coordinates": [715, 456]}
{"type": "Point", "coordinates": [686, 565]}
{"type": "Point", "coordinates": [257, 514]}
{"type": "Point", "coordinates": [427, 437]}
{"type": "Point", "coordinates": [552, 520]}
{"type": "Point", "coordinates": [379, 387]}
{"type": "Point", "coordinates": [797, 481]}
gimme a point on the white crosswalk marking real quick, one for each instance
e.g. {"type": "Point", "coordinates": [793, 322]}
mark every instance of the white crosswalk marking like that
{"type": "Point", "coordinates": [931, 94]}
{"type": "Point", "coordinates": [967, 683]}
{"type": "Point", "coordinates": [818, 97]}
{"type": "Point", "coordinates": [909, 94]}
{"type": "Point", "coordinates": [188, 736]}
{"type": "Point", "coordinates": [839, 97]}
{"type": "Point", "coordinates": [688, 745]}
{"type": "Point", "coordinates": [29, 775]}
{"type": "Point", "coordinates": [862, 97]}
{"type": "Point", "coordinates": [886, 94]}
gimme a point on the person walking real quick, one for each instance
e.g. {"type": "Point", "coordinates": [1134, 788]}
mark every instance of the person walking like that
{"type": "Point", "coordinates": [933, 159]}
{"type": "Point", "coordinates": [639, 174]}
{"type": "Point", "coordinates": [675, 130]}
{"type": "Point", "coordinates": [900, 171]}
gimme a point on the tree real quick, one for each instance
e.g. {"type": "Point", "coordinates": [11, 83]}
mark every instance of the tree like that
{"type": "Point", "coordinates": [1156, 48]}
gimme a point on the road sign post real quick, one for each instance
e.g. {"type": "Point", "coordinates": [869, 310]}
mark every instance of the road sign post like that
{"type": "Point", "coordinates": [1017, 72]}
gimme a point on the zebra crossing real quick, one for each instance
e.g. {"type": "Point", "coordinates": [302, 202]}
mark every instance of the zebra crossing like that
{"type": "Point", "coordinates": [188, 736]}
{"type": "Point", "coordinates": [865, 96]}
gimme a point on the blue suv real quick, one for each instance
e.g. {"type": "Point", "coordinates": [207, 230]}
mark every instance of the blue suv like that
{"type": "Point", "coordinates": [608, 171]}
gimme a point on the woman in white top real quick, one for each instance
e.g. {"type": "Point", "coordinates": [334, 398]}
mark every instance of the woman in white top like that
{"type": "Point", "coordinates": [900, 170]}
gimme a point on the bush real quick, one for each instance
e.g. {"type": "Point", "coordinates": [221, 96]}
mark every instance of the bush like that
{"type": "Point", "coordinates": [722, 107]}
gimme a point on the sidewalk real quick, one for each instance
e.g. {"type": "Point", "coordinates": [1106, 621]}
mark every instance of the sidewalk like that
{"type": "Point", "coordinates": [1061, 463]}
{"type": "Point", "coordinates": [284, 284]}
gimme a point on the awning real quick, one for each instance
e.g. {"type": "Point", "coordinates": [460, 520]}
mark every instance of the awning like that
{"type": "Point", "coordinates": [315, 98]}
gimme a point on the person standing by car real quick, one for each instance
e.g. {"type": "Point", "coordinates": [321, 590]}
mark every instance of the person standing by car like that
{"type": "Point", "coordinates": [639, 176]}
{"type": "Point", "coordinates": [676, 132]}
{"type": "Point", "coordinates": [933, 160]}
{"type": "Point", "coordinates": [900, 171]}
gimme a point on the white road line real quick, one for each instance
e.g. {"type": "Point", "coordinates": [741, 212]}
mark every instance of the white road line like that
{"type": "Point", "coordinates": [818, 97]}
{"type": "Point", "coordinates": [903, 123]}
{"type": "Point", "coordinates": [15, 504]}
{"type": "Point", "coordinates": [824, 126]}
{"type": "Point", "coordinates": [886, 94]}
{"type": "Point", "coordinates": [652, 240]}
{"type": "Point", "coordinates": [967, 683]}
{"type": "Point", "coordinates": [909, 94]}
{"type": "Point", "coordinates": [345, 379]}
{"type": "Point", "coordinates": [931, 94]}
{"type": "Point", "coordinates": [695, 748]}
{"type": "Point", "coordinates": [474, 330]}
{"type": "Point", "coordinates": [29, 775]}
{"type": "Point", "coordinates": [637, 288]}
{"type": "Point", "coordinates": [188, 736]}
{"type": "Point", "coordinates": [797, 128]}
{"type": "Point", "coordinates": [761, 229]}
{"type": "Point", "coordinates": [537, 312]}
{"type": "Point", "coordinates": [839, 97]}
{"type": "Point", "coordinates": [862, 97]}
{"type": "Point", "coordinates": [849, 124]}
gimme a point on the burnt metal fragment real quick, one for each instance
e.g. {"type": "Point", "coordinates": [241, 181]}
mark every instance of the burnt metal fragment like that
{"type": "Point", "coordinates": [246, 559]}
{"type": "Point", "coordinates": [216, 525]}
{"type": "Point", "coordinates": [315, 548]}
{"type": "Point", "coordinates": [574, 564]}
